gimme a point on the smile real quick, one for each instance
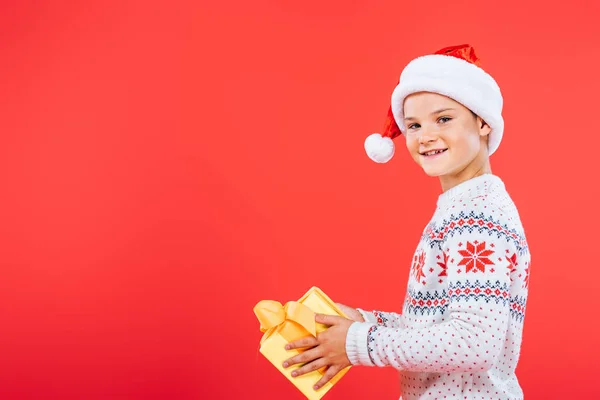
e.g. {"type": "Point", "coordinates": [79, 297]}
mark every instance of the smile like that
{"type": "Point", "coordinates": [433, 152]}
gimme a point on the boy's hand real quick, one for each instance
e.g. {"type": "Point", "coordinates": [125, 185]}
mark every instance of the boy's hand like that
{"type": "Point", "coordinates": [328, 349]}
{"type": "Point", "coordinates": [352, 313]}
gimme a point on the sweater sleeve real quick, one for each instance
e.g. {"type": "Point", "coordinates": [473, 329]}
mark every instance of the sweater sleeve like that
{"type": "Point", "coordinates": [387, 319]}
{"type": "Point", "coordinates": [471, 336]}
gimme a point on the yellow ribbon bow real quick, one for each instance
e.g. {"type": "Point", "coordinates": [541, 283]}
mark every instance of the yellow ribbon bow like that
{"type": "Point", "coordinates": [292, 321]}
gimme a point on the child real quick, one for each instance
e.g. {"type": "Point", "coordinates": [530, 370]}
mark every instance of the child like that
{"type": "Point", "coordinates": [459, 335]}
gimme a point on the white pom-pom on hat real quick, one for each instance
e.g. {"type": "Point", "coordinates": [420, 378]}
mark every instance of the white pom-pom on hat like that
{"type": "Point", "coordinates": [379, 149]}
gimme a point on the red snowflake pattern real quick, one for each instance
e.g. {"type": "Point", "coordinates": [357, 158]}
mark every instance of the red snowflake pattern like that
{"type": "Point", "coordinates": [443, 264]}
{"type": "Point", "coordinates": [526, 283]}
{"type": "Point", "coordinates": [475, 257]}
{"type": "Point", "coordinates": [418, 263]}
{"type": "Point", "coordinates": [512, 263]}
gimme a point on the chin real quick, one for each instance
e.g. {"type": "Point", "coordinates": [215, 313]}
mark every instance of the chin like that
{"type": "Point", "coordinates": [433, 172]}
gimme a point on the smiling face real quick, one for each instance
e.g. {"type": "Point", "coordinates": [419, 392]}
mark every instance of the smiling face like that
{"type": "Point", "coordinates": [445, 138]}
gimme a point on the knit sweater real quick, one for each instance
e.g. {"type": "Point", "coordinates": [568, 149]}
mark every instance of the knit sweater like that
{"type": "Point", "coordinates": [459, 334]}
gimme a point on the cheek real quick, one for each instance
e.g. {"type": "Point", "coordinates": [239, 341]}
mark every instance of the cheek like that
{"type": "Point", "coordinates": [464, 144]}
{"type": "Point", "coordinates": [412, 145]}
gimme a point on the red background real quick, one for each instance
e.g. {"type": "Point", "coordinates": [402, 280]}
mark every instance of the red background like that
{"type": "Point", "coordinates": [165, 166]}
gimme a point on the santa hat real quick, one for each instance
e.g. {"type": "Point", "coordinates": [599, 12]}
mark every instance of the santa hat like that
{"type": "Point", "coordinates": [453, 72]}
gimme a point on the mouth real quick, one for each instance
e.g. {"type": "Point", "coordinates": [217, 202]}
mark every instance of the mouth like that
{"type": "Point", "coordinates": [431, 153]}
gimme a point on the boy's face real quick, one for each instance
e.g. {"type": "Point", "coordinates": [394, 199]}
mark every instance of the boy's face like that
{"type": "Point", "coordinates": [436, 122]}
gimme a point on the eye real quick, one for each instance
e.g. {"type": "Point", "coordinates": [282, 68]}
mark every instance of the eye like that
{"type": "Point", "coordinates": [443, 120]}
{"type": "Point", "coordinates": [414, 126]}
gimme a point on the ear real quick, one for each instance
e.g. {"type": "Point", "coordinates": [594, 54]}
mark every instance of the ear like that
{"type": "Point", "coordinates": [484, 128]}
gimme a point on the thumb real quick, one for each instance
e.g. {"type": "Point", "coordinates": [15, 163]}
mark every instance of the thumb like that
{"type": "Point", "coordinates": [328, 319]}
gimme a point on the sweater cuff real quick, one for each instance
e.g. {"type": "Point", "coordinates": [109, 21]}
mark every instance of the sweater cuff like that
{"type": "Point", "coordinates": [368, 316]}
{"type": "Point", "coordinates": [356, 344]}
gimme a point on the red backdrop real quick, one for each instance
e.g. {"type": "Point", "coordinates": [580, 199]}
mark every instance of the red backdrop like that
{"type": "Point", "coordinates": [166, 166]}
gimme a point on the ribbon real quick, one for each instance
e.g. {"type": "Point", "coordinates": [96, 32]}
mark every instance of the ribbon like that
{"type": "Point", "coordinates": [292, 321]}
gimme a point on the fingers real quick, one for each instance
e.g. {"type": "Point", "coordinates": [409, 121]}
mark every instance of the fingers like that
{"type": "Point", "coordinates": [305, 369]}
{"type": "Point", "coordinates": [302, 358]}
{"type": "Point", "coordinates": [309, 341]}
{"type": "Point", "coordinates": [327, 376]}
{"type": "Point", "coordinates": [345, 308]}
{"type": "Point", "coordinates": [328, 319]}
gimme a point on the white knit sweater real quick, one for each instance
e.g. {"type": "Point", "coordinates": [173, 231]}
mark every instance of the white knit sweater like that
{"type": "Point", "coordinates": [459, 335]}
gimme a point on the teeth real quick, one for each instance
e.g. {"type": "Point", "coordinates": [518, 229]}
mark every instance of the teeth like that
{"type": "Point", "coordinates": [430, 153]}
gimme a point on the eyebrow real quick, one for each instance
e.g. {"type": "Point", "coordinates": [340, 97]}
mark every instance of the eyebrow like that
{"type": "Point", "coordinates": [433, 113]}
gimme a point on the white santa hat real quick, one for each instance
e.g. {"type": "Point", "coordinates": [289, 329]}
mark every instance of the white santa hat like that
{"type": "Point", "coordinates": [453, 72]}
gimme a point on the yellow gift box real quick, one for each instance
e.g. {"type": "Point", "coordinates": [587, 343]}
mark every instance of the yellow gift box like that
{"type": "Point", "coordinates": [295, 320]}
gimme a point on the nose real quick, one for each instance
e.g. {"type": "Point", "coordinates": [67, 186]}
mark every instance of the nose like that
{"type": "Point", "coordinates": [427, 136]}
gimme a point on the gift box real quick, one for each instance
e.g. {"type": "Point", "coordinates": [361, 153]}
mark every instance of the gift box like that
{"type": "Point", "coordinates": [284, 324]}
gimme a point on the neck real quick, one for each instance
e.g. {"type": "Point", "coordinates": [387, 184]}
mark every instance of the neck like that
{"type": "Point", "coordinates": [471, 171]}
